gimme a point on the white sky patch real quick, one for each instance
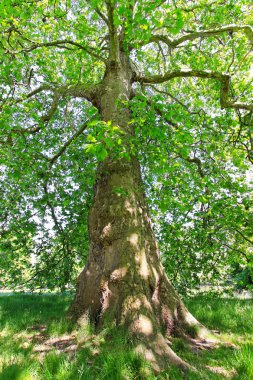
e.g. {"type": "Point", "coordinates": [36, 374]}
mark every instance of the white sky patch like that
{"type": "Point", "coordinates": [251, 71]}
{"type": "Point", "coordinates": [249, 177]}
{"type": "Point", "coordinates": [33, 259]}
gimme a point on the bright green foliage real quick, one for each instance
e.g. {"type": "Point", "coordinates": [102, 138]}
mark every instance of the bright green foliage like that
{"type": "Point", "coordinates": [195, 155]}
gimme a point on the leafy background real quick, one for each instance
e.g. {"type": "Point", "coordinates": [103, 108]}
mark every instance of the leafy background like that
{"type": "Point", "coordinates": [196, 158]}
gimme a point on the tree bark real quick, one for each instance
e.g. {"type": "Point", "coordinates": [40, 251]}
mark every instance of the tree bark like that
{"type": "Point", "coordinates": [124, 282]}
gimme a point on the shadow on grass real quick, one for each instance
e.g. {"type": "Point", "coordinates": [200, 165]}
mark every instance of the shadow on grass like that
{"type": "Point", "coordinates": [33, 346]}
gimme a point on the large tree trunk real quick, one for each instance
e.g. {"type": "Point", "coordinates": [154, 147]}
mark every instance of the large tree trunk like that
{"type": "Point", "coordinates": [124, 282]}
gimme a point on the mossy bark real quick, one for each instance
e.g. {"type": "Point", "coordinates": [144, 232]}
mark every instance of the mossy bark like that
{"type": "Point", "coordinates": [124, 282]}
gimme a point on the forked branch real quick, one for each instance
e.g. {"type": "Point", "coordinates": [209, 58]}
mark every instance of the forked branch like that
{"type": "Point", "coordinates": [223, 78]}
{"type": "Point", "coordinates": [88, 92]}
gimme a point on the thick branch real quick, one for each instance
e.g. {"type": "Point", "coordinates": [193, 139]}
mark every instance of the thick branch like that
{"type": "Point", "coordinates": [114, 40]}
{"type": "Point", "coordinates": [196, 161]}
{"type": "Point", "coordinates": [224, 80]}
{"type": "Point", "coordinates": [173, 43]}
{"type": "Point", "coordinates": [246, 29]}
{"type": "Point", "coordinates": [88, 92]}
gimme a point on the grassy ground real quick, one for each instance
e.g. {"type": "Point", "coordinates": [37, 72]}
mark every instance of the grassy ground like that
{"type": "Point", "coordinates": [38, 343]}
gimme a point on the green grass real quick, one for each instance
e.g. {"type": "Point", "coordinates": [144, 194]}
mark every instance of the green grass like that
{"type": "Point", "coordinates": [34, 334]}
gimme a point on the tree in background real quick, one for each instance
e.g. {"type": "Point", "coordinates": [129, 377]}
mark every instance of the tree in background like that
{"type": "Point", "coordinates": [158, 95]}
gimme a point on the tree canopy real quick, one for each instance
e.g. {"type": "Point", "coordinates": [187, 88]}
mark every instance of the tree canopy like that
{"type": "Point", "coordinates": [191, 109]}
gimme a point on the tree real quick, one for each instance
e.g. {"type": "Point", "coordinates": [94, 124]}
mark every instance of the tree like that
{"type": "Point", "coordinates": [80, 80]}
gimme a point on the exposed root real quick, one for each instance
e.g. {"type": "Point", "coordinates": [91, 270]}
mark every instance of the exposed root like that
{"type": "Point", "coordinates": [151, 314]}
{"type": "Point", "coordinates": [160, 356]}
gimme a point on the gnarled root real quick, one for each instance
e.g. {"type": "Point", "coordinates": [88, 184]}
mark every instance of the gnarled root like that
{"type": "Point", "coordinates": [151, 313]}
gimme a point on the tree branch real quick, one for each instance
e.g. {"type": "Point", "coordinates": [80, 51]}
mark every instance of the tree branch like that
{"type": "Point", "coordinates": [174, 98]}
{"type": "Point", "coordinates": [224, 80]}
{"type": "Point", "coordinates": [53, 108]}
{"type": "Point", "coordinates": [114, 40]}
{"type": "Point", "coordinates": [243, 236]}
{"type": "Point", "coordinates": [60, 44]}
{"type": "Point", "coordinates": [159, 112]}
{"type": "Point", "coordinates": [75, 91]}
{"type": "Point", "coordinates": [173, 43]}
{"type": "Point", "coordinates": [175, 126]}
{"type": "Point", "coordinates": [89, 92]}
{"type": "Point", "coordinates": [72, 138]}
{"type": "Point", "coordinates": [198, 162]}
{"type": "Point", "coordinates": [100, 13]}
